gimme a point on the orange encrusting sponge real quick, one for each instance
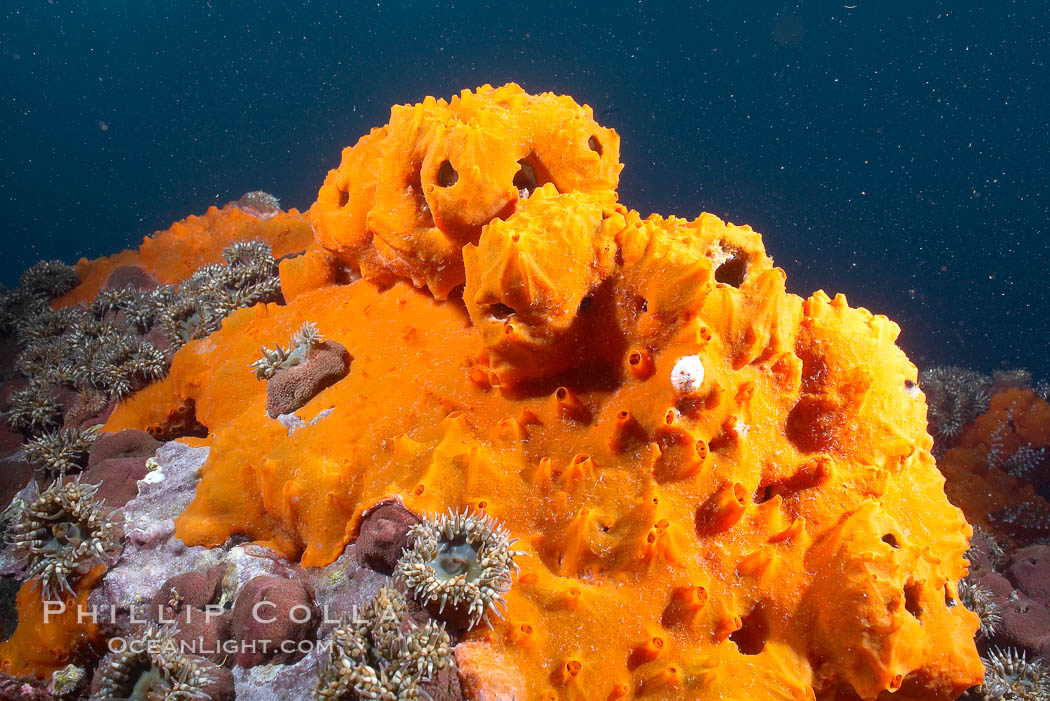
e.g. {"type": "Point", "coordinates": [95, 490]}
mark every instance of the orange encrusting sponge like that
{"type": "Point", "coordinates": [772, 526]}
{"type": "Point", "coordinates": [50, 633]}
{"type": "Point", "coordinates": [174, 254]}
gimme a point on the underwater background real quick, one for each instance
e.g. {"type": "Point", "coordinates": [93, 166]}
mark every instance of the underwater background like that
{"type": "Point", "coordinates": [895, 152]}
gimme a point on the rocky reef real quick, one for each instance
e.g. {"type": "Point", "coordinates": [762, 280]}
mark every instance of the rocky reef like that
{"type": "Point", "coordinates": [507, 439]}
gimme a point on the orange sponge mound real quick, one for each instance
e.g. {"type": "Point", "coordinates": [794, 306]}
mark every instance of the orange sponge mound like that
{"type": "Point", "coordinates": [174, 254]}
{"type": "Point", "coordinates": [724, 491]}
{"type": "Point", "coordinates": [568, 279]}
{"type": "Point", "coordinates": [408, 196]}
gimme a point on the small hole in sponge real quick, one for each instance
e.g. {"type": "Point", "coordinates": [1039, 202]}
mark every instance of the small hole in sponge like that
{"type": "Point", "coordinates": [179, 423]}
{"type": "Point", "coordinates": [949, 600]}
{"type": "Point", "coordinates": [447, 175]}
{"type": "Point", "coordinates": [732, 272]}
{"type": "Point", "coordinates": [500, 311]}
{"type": "Point", "coordinates": [891, 540]}
{"type": "Point", "coordinates": [764, 494]}
{"type": "Point", "coordinates": [912, 594]}
{"type": "Point", "coordinates": [595, 145]}
{"type": "Point", "coordinates": [525, 179]}
{"type": "Point", "coordinates": [751, 637]}
{"type": "Point", "coordinates": [344, 197]}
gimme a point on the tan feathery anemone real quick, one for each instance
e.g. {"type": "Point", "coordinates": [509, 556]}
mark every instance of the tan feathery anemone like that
{"type": "Point", "coordinates": [151, 666]}
{"type": "Point", "coordinates": [61, 451]}
{"type": "Point", "coordinates": [34, 408]}
{"type": "Point", "coordinates": [276, 359]}
{"type": "Point", "coordinates": [979, 599]}
{"type": "Point", "coordinates": [62, 534]}
{"type": "Point", "coordinates": [459, 560]}
{"type": "Point", "coordinates": [374, 655]}
{"type": "Point", "coordinates": [1010, 675]}
{"type": "Point", "coordinates": [49, 278]}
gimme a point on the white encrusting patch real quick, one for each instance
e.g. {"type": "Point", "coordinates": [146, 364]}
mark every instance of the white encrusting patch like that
{"type": "Point", "coordinates": [687, 375]}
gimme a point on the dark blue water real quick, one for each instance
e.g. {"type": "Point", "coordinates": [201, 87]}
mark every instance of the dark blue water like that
{"type": "Point", "coordinates": [896, 155]}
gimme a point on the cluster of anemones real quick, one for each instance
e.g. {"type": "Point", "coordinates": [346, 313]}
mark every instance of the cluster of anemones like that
{"type": "Point", "coordinates": [374, 655]}
{"type": "Point", "coordinates": [152, 667]}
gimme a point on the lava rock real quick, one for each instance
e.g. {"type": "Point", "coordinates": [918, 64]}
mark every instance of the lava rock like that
{"type": "Point", "coordinates": [152, 553]}
{"type": "Point", "coordinates": [272, 683]}
{"type": "Point", "coordinates": [8, 388]}
{"type": "Point", "coordinates": [118, 462]}
{"type": "Point", "coordinates": [66, 397]}
{"type": "Point", "coordinates": [384, 535]}
{"type": "Point", "coordinates": [125, 444]}
{"type": "Point", "coordinates": [444, 685]}
{"type": "Point", "coordinates": [160, 340]}
{"type": "Point", "coordinates": [130, 276]}
{"type": "Point", "coordinates": [290, 389]}
{"type": "Point", "coordinates": [15, 689]}
{"type": "Point", "coordinates": [220, 686]}
{"type": "Point", "coordinates": [202, 632]}
{"type": "Point", "coordinates": [1026, 623]}
{"type": "Point", "coordinates": [1000, 586]}
{"type": "Point", "coordinates": [10, 439]}
{"type": "Point", "coordinates": [197, 589]}
{"type": "Point", "coordinates": [14, 475]}
{"type": "Point", "coordinates": [117, 479]}
{"type": "Point", "coordinates": [1030, 571]}
{"type": "Point", "coordinates": [269, 612]}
